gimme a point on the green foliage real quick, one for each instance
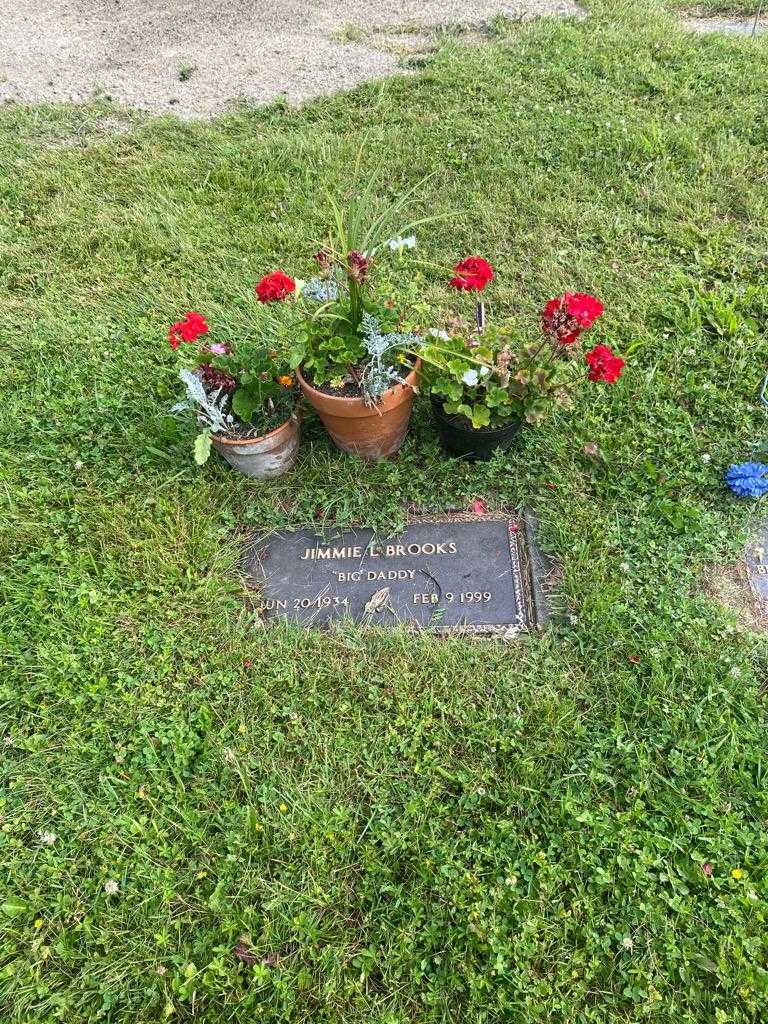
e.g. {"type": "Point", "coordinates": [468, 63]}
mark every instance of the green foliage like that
{"type": "Point", "coordinates": [331, 341]}
{"type": "Point", "coordinates": [493, 377]}
{"type": "Point", "coordinates": [261, 392]}
{"type": "Point", "coordinates": [202, 447]}
{"type": "Point", "coordinates": [328, 345]}
{"type": "Point", "coordinates": [265, 392]}
{"type": "Point", "coordinates": [399, 830]}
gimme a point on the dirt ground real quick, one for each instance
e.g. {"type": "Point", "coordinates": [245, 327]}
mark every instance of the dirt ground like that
{"type": "Point", "coordinates": [193, 58]}
{"type": "Point", "coordinates": [729, 586]}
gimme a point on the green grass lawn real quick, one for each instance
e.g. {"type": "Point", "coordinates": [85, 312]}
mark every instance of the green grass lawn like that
{"type": "Point", "coordinates": [403, 830]}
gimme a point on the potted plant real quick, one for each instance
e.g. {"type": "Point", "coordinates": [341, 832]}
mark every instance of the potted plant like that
{"type": "Point", "coordinates": [486, 383]}
{"type": "Point", "coordinates": [353, 352]}
{"type": "Point", "coordinates": [243, 397]}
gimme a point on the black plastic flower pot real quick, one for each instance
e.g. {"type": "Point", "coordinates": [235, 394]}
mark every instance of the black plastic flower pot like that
{"type": "Point", "coordinates": [462, 441]}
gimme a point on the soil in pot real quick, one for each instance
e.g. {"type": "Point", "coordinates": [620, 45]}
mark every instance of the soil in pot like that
{"type": "Point", "coordinates": [463, 441]}
{"type": "Point", "coordinates": [372, 432]}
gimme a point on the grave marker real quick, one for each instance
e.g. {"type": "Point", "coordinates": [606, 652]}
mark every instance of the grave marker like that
{"type": "Point", "coordinates": [757, 565]}
{"type": "Point", "coordinates": [474, 574]}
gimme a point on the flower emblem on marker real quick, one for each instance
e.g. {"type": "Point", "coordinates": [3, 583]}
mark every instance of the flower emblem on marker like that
{"type": "Point", "coordinates": [604, 366]}
{"type": "Point", "coordinates": [472, 274]}
{"type": "Point", "coordinates": [189, 329]}
{"type": "Point", "coordinates": [275, 287]}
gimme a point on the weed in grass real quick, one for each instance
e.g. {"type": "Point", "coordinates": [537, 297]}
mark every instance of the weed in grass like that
{"type": "Point", "coordinates": [351, 34]}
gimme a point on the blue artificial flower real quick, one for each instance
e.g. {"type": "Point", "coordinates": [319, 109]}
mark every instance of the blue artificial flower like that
{"type": "Point", "coordinates": [748, 480]}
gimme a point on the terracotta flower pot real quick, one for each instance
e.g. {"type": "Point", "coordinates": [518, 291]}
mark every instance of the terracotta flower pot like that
{"type": "Point", "coordinates": [262, 457]}
{"type": "Point", "coordinates": [372, 432]}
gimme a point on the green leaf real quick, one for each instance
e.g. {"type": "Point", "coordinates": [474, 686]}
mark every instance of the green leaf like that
{"type": "Point", "coordinates": [481, 416]}
{"type": "Point", "coordinates": [458, 367]}
{"type": "Point", "coordinates": [13, 906]}
{"type": "Point", "coordinates": [496, 396]}
{"type": "Point", "coordinates": [244, 404]}
{"type": "Point", "coordinates": [449, 387]}
{"type": "Point", "coordinates": [202, 447]}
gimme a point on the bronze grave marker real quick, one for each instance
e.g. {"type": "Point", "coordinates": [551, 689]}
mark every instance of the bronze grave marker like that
{"type": "Point", "coordinates": [452, 574]}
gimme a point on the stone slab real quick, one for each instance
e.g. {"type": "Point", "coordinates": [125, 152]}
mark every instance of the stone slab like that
{"type": "Point", "coordinates": [450, 574]}
{"type": "Point", "coordinates": [757, 564]}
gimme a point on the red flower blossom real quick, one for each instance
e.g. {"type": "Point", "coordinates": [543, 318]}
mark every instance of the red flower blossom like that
{"type": "Point", "coordinates": [323, 258]}
{"type": "Point", "coordinates": [583, 308]}
{"type": "Point", "coordinates": [188, 329]}
{"type": "Point", "coordinates": [568, 315]}
{"type": "Point", "coordinates": [275, 287]}
{"type": "Point", "coordinates": [604, 365]}
{"type": "Point", "coordinates": [358, 266]}
{"type": "Point", "coordinates": [472, 274]}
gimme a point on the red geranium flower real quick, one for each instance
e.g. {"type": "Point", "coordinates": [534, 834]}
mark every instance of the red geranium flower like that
{"type": "Point", "coordinates": [472, 274]}
{"type": "Point", "coordinates": [584, 308]}
{"type": "Point", "coordinates": [604, 365]}
{"type": "Point", "coordinates": [556, 321]}
{"type": "Point", "coordinates": [275, 287]}
{"type": "Point", "coordinates": [568, 315]}
{"type": "Point", "coordinates": [188, 329]}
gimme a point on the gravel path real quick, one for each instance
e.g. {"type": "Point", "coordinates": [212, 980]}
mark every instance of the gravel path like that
{"type": "Point", "coordinates": [193, 57]}
{"type": "Point", "coordinates": [728, 26]}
